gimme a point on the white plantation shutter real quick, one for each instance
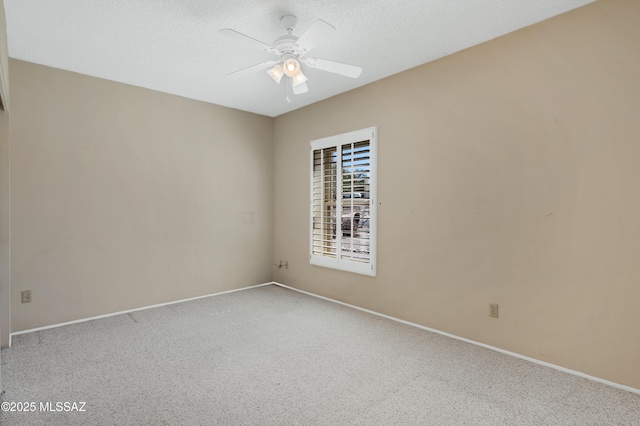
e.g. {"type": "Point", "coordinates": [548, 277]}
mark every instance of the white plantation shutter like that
{"type": "Point", "coordinates": [343, 206]}
{"type": "Point", "coordinates": [323, 201]}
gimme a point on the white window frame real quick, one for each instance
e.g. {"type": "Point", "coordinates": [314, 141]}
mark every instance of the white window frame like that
{"type": "Point", "coordinates": [338, 262]}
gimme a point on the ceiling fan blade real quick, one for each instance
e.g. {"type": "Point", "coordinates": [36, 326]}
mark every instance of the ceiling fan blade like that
{"type": "Point", "coordinates": [252, 69]}
{"type": "Point", "coordinates": [316, 33]}
{"type": "Point", "coordinates": [334, 67]}
{"type": "Point", "coordinates": [300, 88]}
{"type": "Point", "coordinates": [250, 41]}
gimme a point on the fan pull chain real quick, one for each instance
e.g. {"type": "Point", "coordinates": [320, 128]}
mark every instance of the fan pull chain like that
{"type": "Point", "coordinates": [288, 91]}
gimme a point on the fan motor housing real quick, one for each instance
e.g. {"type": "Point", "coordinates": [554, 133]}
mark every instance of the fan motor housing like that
{"type": "Point", "coordinates": [286, 43]}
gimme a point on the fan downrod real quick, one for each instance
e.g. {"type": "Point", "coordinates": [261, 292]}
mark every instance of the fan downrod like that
{"type": "Point", "coordinates": [289, 22]}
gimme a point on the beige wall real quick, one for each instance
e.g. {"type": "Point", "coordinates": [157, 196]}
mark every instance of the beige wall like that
{"type": "Point", "coordinates": [508, 173]}
{"type": "Point", "coordinates": [122, 197]}
{"type": "Point", "coordinates": [5, 210]}
{"type": "Point", "coordinates": [5, 234]}
{"type": "Point", "coordinates": [4, 61]}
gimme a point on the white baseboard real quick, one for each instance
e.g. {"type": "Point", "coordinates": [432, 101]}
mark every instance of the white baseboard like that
{"type": "Point", "coordinates": [453, 336]}
{"type": "Point", "coordinates": [46, 327]}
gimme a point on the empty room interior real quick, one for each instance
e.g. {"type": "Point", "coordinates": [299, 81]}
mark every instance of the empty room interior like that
{"type": "Point", "coordinates": [505, 213]}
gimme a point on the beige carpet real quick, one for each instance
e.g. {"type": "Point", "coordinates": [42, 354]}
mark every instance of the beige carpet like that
{"type": "Point", "coordinates": [272, 356]}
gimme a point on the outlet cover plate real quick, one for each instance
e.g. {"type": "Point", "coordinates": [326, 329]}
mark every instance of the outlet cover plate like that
{"type": "Point", "coordinates": [493, 310]}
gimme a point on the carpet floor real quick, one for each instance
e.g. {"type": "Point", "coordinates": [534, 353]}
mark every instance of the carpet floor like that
{"type": "Point", "coordinates": [273, 356]}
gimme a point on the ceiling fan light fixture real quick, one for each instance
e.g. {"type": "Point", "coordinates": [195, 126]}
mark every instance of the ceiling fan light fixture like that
{"type": "Point", "coordinates": [297, 79]}
{"type": "Point", "coordinates": [291, 67]}
{"type": "Point", "coordinates": [276, 73]}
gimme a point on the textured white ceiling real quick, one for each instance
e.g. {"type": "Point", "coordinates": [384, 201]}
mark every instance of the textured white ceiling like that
{"type": "Point", "coordinates": [174, 46]}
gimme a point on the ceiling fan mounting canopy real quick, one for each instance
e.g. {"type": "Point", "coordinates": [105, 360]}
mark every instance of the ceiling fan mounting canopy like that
{"type": "Point", "coordinates": [289, 22]}
{"type": "Point", "coordinates": [291, 51]}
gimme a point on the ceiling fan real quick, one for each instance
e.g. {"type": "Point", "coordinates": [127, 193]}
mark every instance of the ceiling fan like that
{"type": "Point", "coordinates": [292, 51]}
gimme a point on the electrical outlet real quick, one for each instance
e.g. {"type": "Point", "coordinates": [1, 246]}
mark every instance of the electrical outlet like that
{"type": "Point", "coordinates": [25, 296]}
{"type": "Point", "coordinates": [493, 310]}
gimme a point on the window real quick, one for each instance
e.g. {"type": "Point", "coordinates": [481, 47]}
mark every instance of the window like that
{"type": "Point", "coordinates": [343, 202]}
